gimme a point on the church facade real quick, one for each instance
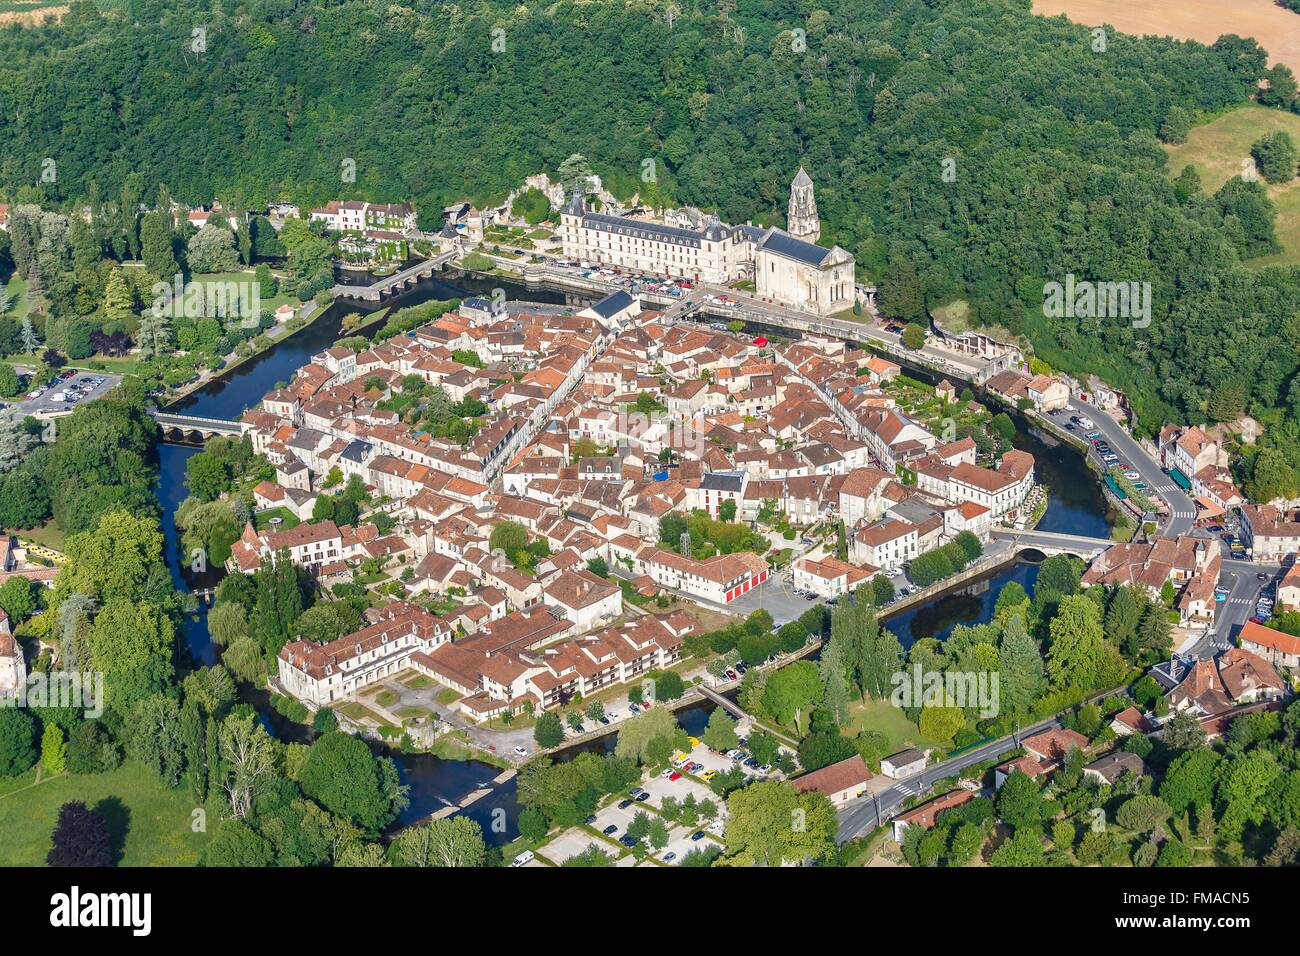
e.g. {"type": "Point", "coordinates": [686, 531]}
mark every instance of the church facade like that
{"type": "Point", "coordinates": [787, 266]}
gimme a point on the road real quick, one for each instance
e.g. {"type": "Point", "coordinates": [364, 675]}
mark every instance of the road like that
{"type": "Point", "coordinates": [1182, 510]}
{"type": "Point", "coordinates": [1241, 578]}
{"type": "Point", "coordinates": [866, 813]}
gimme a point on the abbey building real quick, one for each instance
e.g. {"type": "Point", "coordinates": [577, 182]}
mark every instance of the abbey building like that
{"type": "Point", "coordinates": [786, 266]}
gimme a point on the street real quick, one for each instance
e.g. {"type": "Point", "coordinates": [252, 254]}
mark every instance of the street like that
{"type": "Point", "coordinates": [866, 813]}
{"type": "Point", "coordinates": [1182, 510]}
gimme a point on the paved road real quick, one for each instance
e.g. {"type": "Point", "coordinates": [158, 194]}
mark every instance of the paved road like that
{"type": "Point", "coordinates": [865, 814]}
{"type": "Point", "coordinates": [1241, 578]}
{"type": "Point", "coordinates": [1182, 510]}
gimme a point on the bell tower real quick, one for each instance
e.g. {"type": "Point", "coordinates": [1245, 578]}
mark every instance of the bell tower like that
{"type": "Point", "coordinates": [802, 221]}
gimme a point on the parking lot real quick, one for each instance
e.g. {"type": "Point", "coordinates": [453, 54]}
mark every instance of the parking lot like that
{"type": "Point", "coordinates": [70, 390]}
{"type": "Point", "coordinates": [573, 842]}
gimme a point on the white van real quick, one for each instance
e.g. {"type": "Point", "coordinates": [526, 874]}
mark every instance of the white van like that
{"type": "Point", "coordinates": [522, 858]}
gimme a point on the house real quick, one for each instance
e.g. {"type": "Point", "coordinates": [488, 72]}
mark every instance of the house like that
{"type": "Point", "coordinates": [13, 668]}
{"type": "Point", "coordinates": [1052, 745]}
{"type": "Point", "coordinates": [924, 816]}
{"type": "Point", "coordinates": [1131, 721]}
{"type": "Point", "coordinates": [1188, 449]}
{"type": "Point", "coordinates": [1025, 764]}
{"type": "Point", "coordinates": [1278, 648]}
{"type": "Point", "coordinates": [1288, 589]}
{"type": "Point", "coordinates": [1201, 692]}
{"type": "Point", "coordinates": [829, 577]}
{"type": "Point", "coordinates": [584, 598]}
{"type": "Point", "coordinates": [1249, 678]}
{"type": "Point", "coordinates": [1048, 392]}
{"type": "Point", "coordinates": [888, 543]}
{"type": "Point", "coordinates": [842, 781]}
{"type": "Point", "coordinates": [1270, 533]}
{"type": "Point", "coordinates": [309, 545]}
{"type": "Point", "coordinates": [1110, 768]}
{"type": "Point", "coordinates": [903, 764]}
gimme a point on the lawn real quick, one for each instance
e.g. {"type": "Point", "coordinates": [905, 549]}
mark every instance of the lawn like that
{"type": "Point", "coordinates": [17, 289]}
{"type": "Point", "coordinates": [271, 304]}
{"type": "Point", "coordinates": [48, 534]}
{"type": "Point", "coordinates": [151, 825]}
{"type": "Point", "coordinates": [1217, 150]}
{"type": "Point", "coordinates": [262, 520]}
{"type": "Point", "coordinates": [884, 718]}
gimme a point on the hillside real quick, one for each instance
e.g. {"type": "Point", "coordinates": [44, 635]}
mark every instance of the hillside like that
{"type": "Point", "coordinates": [1218, 149]}
{"type": "Point", "coordinates": [1057, 166]}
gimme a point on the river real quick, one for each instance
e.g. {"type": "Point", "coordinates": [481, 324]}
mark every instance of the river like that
{"type": "Point", "coordinates": [1076, 506]}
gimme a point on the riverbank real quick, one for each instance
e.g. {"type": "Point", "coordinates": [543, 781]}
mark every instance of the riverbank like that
{"type": "Point", "coordinates": [175, 396]}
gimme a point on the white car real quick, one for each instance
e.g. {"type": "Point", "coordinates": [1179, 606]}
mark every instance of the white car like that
{"type": "Point", "coordinates": [1132, 475]}
{"type": "Point", "coordinates": [522, 858]}
{"type": "Point", "coordinates": [1085, 422]}
{"type": "Point", "coordinates": [521, 752]}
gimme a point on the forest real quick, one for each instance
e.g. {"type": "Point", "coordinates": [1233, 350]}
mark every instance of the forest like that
{"type": "Point", "coordinates": [961, 150]}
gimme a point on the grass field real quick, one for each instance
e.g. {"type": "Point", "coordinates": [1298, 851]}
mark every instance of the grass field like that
{"type": "Point", "coordinates": [1275, 28]}
{"type": "Point", "coordinates": [884, 718]}
{"type": "Point", "coordinates": [150, 824]}
{"type": "Point", "coordinates": [1217, 150]}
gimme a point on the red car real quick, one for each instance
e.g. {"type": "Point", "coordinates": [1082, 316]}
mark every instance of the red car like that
{"type": "Point", "coordinates": [1257, 620]}
{"type": "Point", "coordinates": [760, 341]}
{"type": "Point", "coordinates": [674, 776]}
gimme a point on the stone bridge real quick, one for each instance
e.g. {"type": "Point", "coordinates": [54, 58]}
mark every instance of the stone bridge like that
{"type": "Point", "coordinates": [192, 429]}
{"type": "Point", "coordinates": [397, 283]}
{"type": "Point", "coordinates": [1053, 542]}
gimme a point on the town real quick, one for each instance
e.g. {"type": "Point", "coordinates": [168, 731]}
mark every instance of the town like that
{"type": "Point", "coordinates": [713, 482]}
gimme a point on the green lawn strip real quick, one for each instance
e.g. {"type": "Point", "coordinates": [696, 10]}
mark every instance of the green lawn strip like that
{"type": "Point", "coordinates": [153, 822]}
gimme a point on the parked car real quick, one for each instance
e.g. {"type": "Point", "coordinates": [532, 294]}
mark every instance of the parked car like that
{"type": "Point", "coordinates": [627, 840]}
{"type": "Point", "coordinates": [674, 775]}
{"type": "Point", "coordinates": [624, 804]}
{"type": "Point", "coordinates": [669, 856]}
{"type": "Point", "coordinates": [697, 836]}
{"type": "Point", "coordinates": [521, 752]}
{"type": "Point", "coordinates": [610, 830]}
{"type": "Point", "coordinates": [708, 775]}
{"type": "Point", "coordinates": [522, 858]}
{"type": "Point", "coordinates": [668, 772]}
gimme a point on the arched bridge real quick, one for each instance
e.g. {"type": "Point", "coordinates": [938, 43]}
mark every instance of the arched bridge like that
{"type": "Point", "coordinates": [398, 282]}
{"type": "Point", "coordinates": [1053, 542]}
{"type": "Point", "coordinates": [192, 429]}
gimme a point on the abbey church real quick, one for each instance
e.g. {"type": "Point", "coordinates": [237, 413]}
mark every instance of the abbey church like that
{"type": "Point", "coordinates": [787, 266]}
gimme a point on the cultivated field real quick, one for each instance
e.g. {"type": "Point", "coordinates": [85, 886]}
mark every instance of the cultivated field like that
{"type": "Point", "coordinates": [1276, 29]}
{"type": "Point", "coordinates": [30, 14]}
{"type": "Point", "coordinates": [1217, 150]}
